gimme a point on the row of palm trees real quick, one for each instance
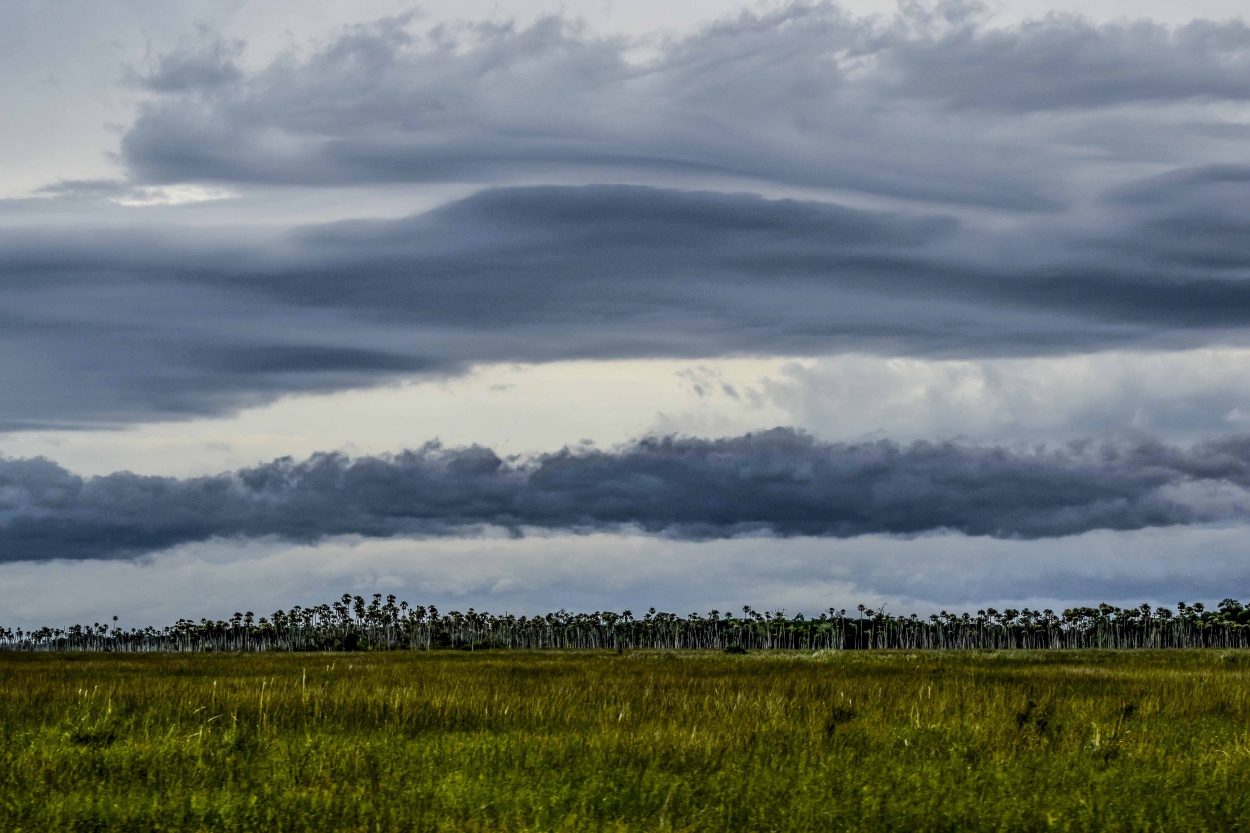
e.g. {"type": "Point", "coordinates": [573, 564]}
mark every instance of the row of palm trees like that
{"type": "Point", "coordinates": [352, 623]}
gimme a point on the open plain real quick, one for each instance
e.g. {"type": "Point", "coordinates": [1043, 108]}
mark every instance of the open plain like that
{"type": "Point", "coordinates": [566, 740]}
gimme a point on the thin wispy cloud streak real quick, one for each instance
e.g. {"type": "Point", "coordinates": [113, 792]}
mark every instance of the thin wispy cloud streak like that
{"type": "Point", "coordinates": [779, 483]}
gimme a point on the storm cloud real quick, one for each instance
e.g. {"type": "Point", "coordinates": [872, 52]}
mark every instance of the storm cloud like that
{"type": "Point", "coordinates": [956, 189]}
{"type": "Point", "coordinates": [931, 105]}
{"type": "Point", "coordinates": [778, 482]}
{"type": "Point", "coordinates": [120, 326]}
{"type": "Point", "coordinates": [762, 97]}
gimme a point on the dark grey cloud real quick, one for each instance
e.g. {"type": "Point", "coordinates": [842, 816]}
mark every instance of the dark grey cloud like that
{"type": "Point", "coordinates": [767, 98]}
{"type": "Point", "coordinates": [1191, 220]}
{"type": "Point", "coordinates": [1069, 63]}
{"type": "Point", "coordinates": [808, 95]}
{"type": "Point", "coordinates": [117, 326]}
{"type": "Point", "coordinates": [779, 482]}
{"type": "Point", "coordinates": [121, 326]}
{"type": "Point", "coordinates": [86, 188]}
{"type": "Point", "coordinates": [1057, 186]}
{"type": "Point", "coordinates": [196, 67]}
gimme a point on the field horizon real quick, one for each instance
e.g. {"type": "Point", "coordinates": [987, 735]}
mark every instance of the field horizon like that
{"type": "Point", "coordinates": [351, 623]}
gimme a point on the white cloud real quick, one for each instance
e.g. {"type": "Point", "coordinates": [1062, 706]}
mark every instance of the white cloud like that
{"type": "Point", "coordinates": [528, 409]}
{"type": "Point", "coordinates": [184, 194]}
{"type": "Point", "coordinates": [514, 409]}
{"type": "Point", "coordinates": [1182, 395]}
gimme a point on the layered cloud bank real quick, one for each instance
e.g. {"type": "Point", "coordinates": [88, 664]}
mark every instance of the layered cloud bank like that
{"type": "Point", "coordinates": [133, 326]}
{"type": "Point", "coordinates": [778, 482]}
{"type": "Point", "coordinates": [929, 104]}
{"type": "Point", "coordinates": [956, 189]}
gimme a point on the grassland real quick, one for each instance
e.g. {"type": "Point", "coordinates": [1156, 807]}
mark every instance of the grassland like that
{"type": "Point", "coordinates": [563, 741]}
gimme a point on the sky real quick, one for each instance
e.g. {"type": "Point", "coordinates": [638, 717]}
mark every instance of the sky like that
{"type": "Point", "coordinates": [598, 305]}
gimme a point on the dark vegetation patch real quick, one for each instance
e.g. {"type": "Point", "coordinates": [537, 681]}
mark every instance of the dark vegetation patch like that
{"type": "Point", "coordinates": [353, 624]}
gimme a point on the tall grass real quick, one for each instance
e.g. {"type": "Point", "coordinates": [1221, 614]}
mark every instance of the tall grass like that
{"type": "Point", "coordinates": [582, 741]}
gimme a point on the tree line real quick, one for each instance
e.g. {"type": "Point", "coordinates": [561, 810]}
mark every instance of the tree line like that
{"type": "Point", "coordinates": [354, 624]}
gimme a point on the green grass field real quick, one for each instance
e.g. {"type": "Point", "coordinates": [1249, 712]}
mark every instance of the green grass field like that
{"type": "Point", "coordinates": [864, 741]}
